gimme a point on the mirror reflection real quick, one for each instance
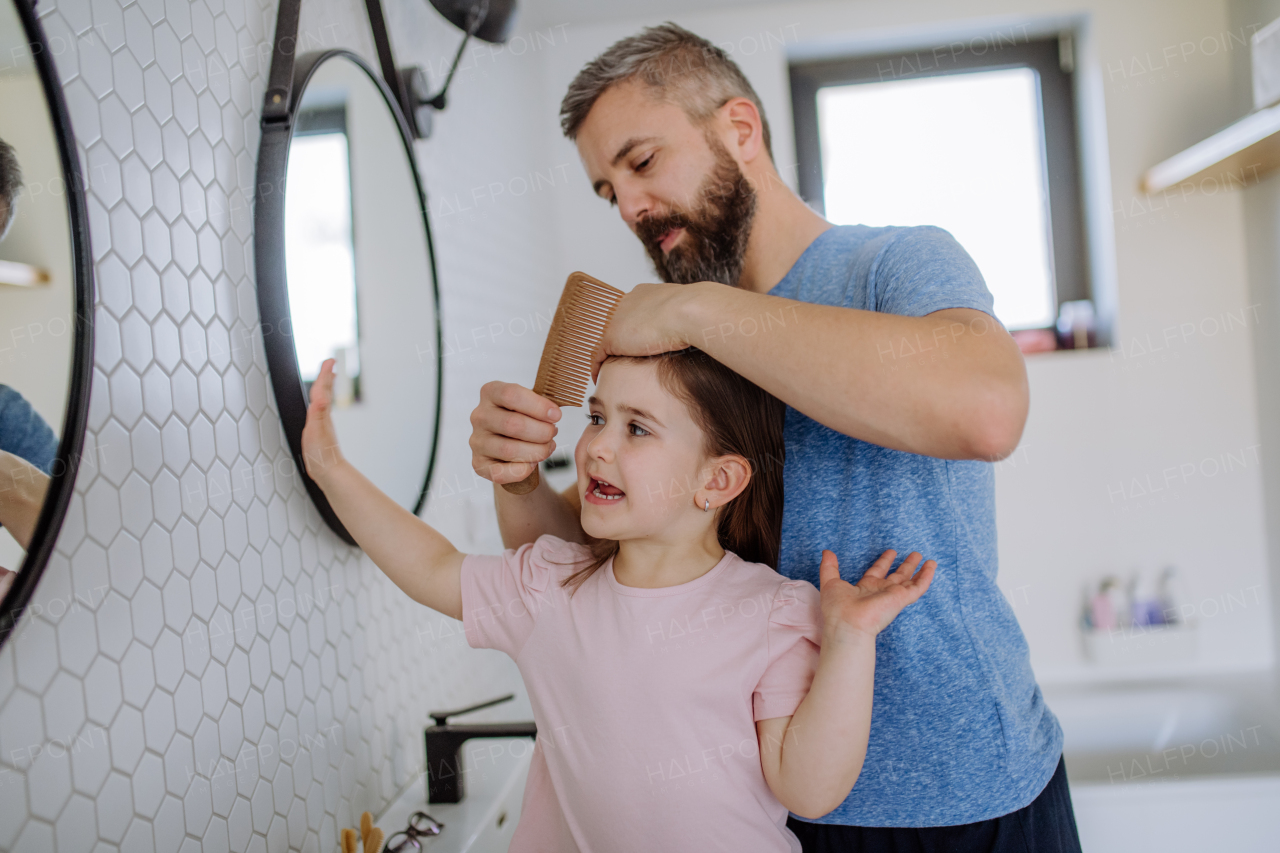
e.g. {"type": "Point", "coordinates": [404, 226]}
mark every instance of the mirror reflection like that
{"type": "Point", "coordinates": [37, 297]}
{"type": "Point", "coordinates": [360, 286]}
{"type": "Point", "coordinates": [318, 241]}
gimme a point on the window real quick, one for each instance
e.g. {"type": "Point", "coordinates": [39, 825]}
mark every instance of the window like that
{"type": "Point", "coordinates": [981, 144]}
{"type": "Point", "coordinates": [319, 250]}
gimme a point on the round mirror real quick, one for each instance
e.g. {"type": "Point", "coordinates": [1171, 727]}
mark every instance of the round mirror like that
{"type": "Point", "coordinates": [346, 271]}
{"type": "Point", "coordinates": [46, 301]}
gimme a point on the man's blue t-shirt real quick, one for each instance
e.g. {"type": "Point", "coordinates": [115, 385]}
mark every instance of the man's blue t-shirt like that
{"type": "Point", "coordinates": [959, 729]}
{"type": "Point", "coordinates": [24, 433]}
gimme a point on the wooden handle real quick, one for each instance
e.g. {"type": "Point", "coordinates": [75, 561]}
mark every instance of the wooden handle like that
{"type": "Point", "coordinates": [525, 486]}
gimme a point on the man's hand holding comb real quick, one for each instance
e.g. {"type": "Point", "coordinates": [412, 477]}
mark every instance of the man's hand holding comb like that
{"type": "Point", "coordinates": [513, 429]}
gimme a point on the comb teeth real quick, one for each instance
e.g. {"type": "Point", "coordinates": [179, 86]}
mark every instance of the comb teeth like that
{"type": "Point", "coordinates": [581, 317]}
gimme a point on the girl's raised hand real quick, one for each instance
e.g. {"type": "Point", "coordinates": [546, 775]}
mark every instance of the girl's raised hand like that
{"type": "Point", "coordinates": [870, 605]}
{"type": "Point", "coordinates": [320, 451]}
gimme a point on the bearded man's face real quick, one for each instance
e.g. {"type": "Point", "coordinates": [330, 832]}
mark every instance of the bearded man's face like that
{"type": "Point", "coordinates": [674, 182]}
{"type": "Point", "coordinates": [714, 243]}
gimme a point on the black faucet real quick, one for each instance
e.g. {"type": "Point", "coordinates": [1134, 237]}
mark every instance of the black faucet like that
{"type": "Point", "coordinates": [444, 741]}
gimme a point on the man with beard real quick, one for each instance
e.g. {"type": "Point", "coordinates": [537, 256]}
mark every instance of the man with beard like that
{"type": "Point", "coordinates": [901, 389]}
{"type": "Point", "coordinates": [28, 447]}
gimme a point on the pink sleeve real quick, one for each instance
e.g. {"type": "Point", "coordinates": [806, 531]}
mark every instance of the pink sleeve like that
{"type": "Point", "coordinates": [502, 596]}
{"type": "Point", "coordinates": [795, 632]}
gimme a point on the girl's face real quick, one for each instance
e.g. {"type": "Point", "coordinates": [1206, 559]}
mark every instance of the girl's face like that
{"type": "Point", "coordinates": [640, 459]}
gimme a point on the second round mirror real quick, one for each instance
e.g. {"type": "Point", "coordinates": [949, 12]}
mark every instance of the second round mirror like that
{"type": "Point", "coordinates": [357, 282]}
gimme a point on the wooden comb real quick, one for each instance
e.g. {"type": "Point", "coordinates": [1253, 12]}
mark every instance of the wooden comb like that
{"type": "Point", "coordinates": [577, 327]}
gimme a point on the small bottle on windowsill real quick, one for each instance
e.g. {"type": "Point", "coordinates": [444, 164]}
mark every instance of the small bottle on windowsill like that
{"type": "Point", "coordinates": [1077, 325]}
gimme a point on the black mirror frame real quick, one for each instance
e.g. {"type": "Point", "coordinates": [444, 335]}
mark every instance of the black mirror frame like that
{"type": "Point", "coordinates": [288, 79]}
{"type": "Point", "coordinates": [71, 443]}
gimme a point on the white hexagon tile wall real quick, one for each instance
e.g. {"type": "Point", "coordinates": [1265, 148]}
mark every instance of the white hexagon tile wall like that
{"type": "Point", "coordinates": [205, 666]}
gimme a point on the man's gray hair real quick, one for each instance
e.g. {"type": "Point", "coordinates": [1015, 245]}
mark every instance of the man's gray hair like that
{"type": "Point", "coordinates": [676, 65]}
{"type": "Point", "coordinates": [10, 184]}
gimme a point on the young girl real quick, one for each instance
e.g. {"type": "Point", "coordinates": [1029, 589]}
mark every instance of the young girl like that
{"type": "Point", "coordinates": [686, 695]}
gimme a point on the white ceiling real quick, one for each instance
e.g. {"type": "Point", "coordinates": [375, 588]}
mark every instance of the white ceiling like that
{"type": "Point", "coordinates": [542, 13]}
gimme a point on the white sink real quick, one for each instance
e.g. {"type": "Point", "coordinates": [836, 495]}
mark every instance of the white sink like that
{"type": "Point", "coordinates": [494, 773]}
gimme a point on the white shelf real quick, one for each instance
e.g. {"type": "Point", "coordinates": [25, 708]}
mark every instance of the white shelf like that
{"type": "Point", "coordinates": [1141, 645]}
{"type": "Point", "coordinates": [1243, 152]}
{"type": "Point", "coordinates": [22, 275]}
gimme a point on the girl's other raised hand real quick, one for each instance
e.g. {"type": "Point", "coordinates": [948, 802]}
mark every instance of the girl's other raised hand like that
{"type": "Point", "coordinates": [320, 451]}
{"type": "Point", "coordinates": [867, 607]}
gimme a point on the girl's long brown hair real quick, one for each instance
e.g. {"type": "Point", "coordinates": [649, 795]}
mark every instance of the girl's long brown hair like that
{"type": "Point", "coordinates": [736, 417]}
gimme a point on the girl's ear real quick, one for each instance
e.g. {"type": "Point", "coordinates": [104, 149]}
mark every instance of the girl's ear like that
{"type": "Point", "coordinates": [724, 479]}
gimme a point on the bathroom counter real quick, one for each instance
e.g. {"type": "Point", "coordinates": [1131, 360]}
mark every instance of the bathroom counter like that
{"type": "Point", "coordinates": [1177, 764]}
{"type": "Point", "coordinates": [494, 773]}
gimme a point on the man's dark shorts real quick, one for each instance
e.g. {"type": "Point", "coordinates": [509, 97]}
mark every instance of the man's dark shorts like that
{"type": "Point", "coordinates": [1046, 825]}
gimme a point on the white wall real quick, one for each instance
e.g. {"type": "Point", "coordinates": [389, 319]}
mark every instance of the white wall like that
{"type": "Point", "coordinates": [1068, 507]}
{"type": "Point", "coordinates": [1262, 220]}
{"type": "Point", "coordinates": [491, 185]}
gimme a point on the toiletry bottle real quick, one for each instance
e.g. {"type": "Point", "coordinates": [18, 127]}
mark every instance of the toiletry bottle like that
{"type": "Point", "coordinates": [1086, 608]}
{"type": "Point", "coordinates": [1119, 598]}
{"type": "Point", "coordinates": [1103, 610]}
{"type": "Point", "coordinates": [1173, 598]}
{"type": "Point", "coordinates": [1133, 600]}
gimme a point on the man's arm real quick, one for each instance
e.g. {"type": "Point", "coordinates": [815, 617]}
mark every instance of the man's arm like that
{"type": "Point", "coordinates": [512, 430]}
{"type": "Point", "coordinates": [23, 488]}
{"type": "Point", "coordinates": [950, 384]}
{"type": "Point", "coordinates": [523, 518]}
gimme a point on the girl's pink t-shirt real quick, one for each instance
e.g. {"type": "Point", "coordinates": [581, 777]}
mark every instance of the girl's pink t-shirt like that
{"type": "Point", "coordinates": [646, 699]}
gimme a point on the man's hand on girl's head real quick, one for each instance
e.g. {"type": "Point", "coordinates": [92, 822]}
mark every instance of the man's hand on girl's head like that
{"type": "Point", "coordinates": [648, 320]}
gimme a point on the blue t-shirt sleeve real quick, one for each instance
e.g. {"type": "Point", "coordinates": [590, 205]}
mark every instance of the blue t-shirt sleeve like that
{"type": "Point", "coordinates": [923, 269]}
{"type": "Point", "coordinates": [24, 433]}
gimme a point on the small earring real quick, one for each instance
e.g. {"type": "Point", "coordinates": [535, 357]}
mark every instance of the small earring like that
{"type": "Point", "coordinates": [707, 505]}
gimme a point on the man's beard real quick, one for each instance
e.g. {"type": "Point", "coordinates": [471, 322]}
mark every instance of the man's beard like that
{"type": "Point", "coordinates": [714, 245]}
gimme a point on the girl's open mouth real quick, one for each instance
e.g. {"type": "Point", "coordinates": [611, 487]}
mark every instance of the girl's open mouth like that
{"type": "Point", "coordinates": [601, 492]}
